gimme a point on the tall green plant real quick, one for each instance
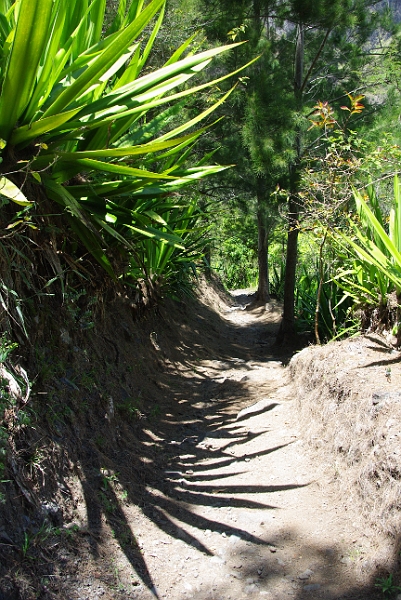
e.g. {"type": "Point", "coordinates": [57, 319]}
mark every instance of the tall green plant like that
{"type": "Point", "coordinates": [166, 266]}
{"type": "Point", "coordinates": [376, 252]}
{"type": "Point", "coordinates": [80, 117]}
{"type": "Point", "coordinates": [333, 318]}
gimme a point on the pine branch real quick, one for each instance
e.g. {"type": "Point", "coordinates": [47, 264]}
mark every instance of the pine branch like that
{"type": "Point", "coordinates": [315, 60]}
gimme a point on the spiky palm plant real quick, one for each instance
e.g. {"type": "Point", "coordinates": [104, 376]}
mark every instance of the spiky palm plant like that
{"type": "Point", "coordinates": [376, 251]}
{"type": "Point", "coordinates": [83, 122]}
{"type": "Point", "coordinates": [372, 249]}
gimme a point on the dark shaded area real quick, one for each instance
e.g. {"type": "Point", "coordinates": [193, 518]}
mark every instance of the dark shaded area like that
{"type": "Point", "coordinates": [254, 413]}
{"type": "Point", "coordinates": [267, 575]}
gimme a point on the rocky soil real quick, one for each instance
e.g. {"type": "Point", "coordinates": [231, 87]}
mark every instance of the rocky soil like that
{"type": "Point", "coordinates": [202, 471]}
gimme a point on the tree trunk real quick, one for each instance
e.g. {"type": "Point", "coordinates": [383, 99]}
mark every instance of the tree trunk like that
{"type": "Point", "coordinates": [208, 259]}
{"type": "Point", "coordinates": [262, 295]}
{"type": "Point", "coordinates": [263, 292]}
{"type": "Point", "coordinates": [287, 332]}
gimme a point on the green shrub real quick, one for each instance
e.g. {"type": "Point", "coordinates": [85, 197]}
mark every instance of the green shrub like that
{"type": "Point", "coordinates": [86, 124]}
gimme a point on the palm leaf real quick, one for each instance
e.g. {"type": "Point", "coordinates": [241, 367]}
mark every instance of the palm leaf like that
{"type": "Point", "coordinates": [84, 108]}
{"type": "Point", "coordinates": [26, 51]}
{"type": "Point", "coordinates": [102, 63]}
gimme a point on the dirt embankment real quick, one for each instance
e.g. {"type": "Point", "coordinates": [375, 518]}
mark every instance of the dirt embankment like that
{"type": "Point", "coordinates": [349, 404]}
{"type": "Point", "coordinates": [177, 458]}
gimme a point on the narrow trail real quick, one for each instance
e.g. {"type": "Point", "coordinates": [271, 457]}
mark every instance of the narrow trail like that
{"type": "Point", "coordinates": [239, 509]}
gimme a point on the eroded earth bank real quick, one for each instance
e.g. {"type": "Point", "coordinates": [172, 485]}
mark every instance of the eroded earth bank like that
{"type": "Point", "coordinates": [178, 458]}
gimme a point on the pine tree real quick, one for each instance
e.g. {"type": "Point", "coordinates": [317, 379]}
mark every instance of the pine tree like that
{"type": "Point", "coordinates": [311, 50]}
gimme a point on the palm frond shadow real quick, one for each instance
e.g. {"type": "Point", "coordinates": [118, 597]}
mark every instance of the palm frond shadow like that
{"type": "Point", "coordinates": [163, 466]}
{"type": "Point", "coordinates": [194, 432]}
{"type": "Point", "coordinates": [256, 412]}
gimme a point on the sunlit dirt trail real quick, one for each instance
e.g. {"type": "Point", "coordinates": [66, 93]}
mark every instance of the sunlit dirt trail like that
{"type": "Point", "coordinates": [241, 509]}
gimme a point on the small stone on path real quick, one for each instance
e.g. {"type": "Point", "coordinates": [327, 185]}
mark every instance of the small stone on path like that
{"type": "Point", "coordinates": [306, 574]}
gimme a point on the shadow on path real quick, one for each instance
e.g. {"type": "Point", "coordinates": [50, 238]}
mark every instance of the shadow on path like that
{"type": "Point", "coordinates": [175, 390]}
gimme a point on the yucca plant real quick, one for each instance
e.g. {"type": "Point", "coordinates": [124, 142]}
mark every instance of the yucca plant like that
{"type": "Point", "coordinates": [167, 266]}
{"type": "Point", "coordinates": [374, 250]}
{"type": "Point", "coordinates": [333, 317]}
{"type": "Point", "coordinates": [80, 118]}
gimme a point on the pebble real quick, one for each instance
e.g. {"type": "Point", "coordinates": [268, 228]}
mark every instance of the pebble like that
{"type": "Point", "coordinates": [234, 539]}
{"type": "Point", "coordinates": [217, 560]}
{"type": "Point", "coordinates": [236, 575]}
{"type": "Point", "coordinates": [306, 574]}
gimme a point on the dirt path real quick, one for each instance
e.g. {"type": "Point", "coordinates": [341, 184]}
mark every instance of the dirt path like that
{"type": "Point", "coordinates": [236, 508]}
{"type": "Point", "coordinates": [172, 464]}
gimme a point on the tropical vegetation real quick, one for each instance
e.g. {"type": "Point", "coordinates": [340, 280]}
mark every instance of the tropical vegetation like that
{"type": "Point", "coordinates": [96, 145]}
{"type": "Point", "coordinates": [141, 142]}
{"type": "Point", "coordinates": [107, 123]}
{"type": "Point", "coordinates": [301, 151]}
